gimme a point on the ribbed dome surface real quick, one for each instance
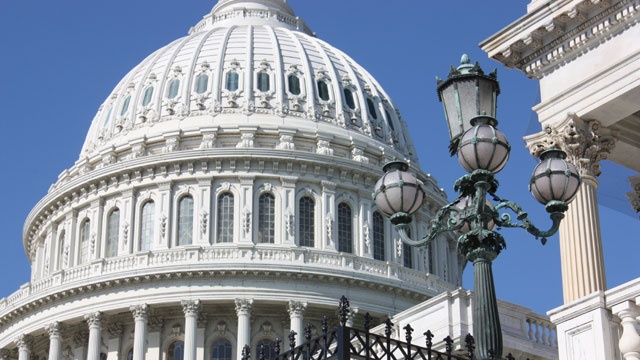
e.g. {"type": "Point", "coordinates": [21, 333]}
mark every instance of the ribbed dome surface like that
{"type": "Point", "coordinates": [244, 59]}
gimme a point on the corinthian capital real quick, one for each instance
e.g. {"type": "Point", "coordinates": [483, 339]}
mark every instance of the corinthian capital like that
{"type": "Point", "coordinates": [94, 319]}
{"type": "Point", "coordinates": [634, 196]}
{"type": "Point", "coordinates": [191, 307]}
{"type": "Point", "coordinates": [140, 312]}
{"type": "Point", "coordinates": [297, 308]}
{"type": "Point", "coordinates": [54, 329]}
{"type": "Point", "coordinates": [244, 306]}
{"type": "Point", "coordinates": [586, 143]}
{"type": "Point", "coordinates": [24, 342]}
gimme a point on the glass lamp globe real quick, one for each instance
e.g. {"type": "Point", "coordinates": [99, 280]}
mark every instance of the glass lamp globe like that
{"type": "Point", "coordinates": [554, 179]}
{"type": "Point", "coordinates": [483, 147]}
{"type": "Point", "coordinates": [398, 191]}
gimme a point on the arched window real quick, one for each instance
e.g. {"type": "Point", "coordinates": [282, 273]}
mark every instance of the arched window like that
{"type": "Point", "coordinates": [221, 350]}
{"type": "Point", "coordinates": [185, 221]}
{"type": "Point", "coordinates": [378, 236]}
{"type": "Point", "coordinates": [202, 83]}
{"type": "Point", "coordinates": [306, 221]}
{"type": "Point", "coordinates": [266, 218]}
{"type": "Point", "coordinates": [224, 223]}
{"type": "Point", "coordinates": [262, 82]}
{"type": "Point", "coordinates": [268, 347]}
{"type": "Point", "coordinates": [148, 93]}
{"type": "Point", "coordinates": [348, 98]}
{"type": "Point", "coordinates": [146, 225]}
{"type": "Point", "coordinates": [60, 259]}
{"type": "Point", "coordinates": [85, 242]}
{"type": "Point", "coordinates": [407, 252]}
{"type": "Point", "coordinates": [174, 86]}
{"type": "Point", "coordinates": [372, 109]}
{"type": "Point", "coordinates": [323, 90]}
{"type": "Point", "coordinates": [345, 228]}
{"type": "Point", "coordinates": [232, 81]}
{"type": "Point", "coordinates": [113, 225]}
{"type": "Point", "coordinates": [294, 84]}
{"type": "Point", "coordinates": [125, 106]}
{"type": "Point", "coordinates": [176, 350]}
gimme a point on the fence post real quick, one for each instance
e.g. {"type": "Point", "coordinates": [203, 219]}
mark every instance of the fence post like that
{"type": "Point", "coordinates": [367, 326]}
{"type": "Point", "coordinates": [388, 325]}
{"type": "Point", "coordinates": [428, 336]}
{"type": "Point", "coordinates": [408, 331]}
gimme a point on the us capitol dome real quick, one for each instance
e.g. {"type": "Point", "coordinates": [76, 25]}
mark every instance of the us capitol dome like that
{"type": "Point", "coordinates": [222, 197]}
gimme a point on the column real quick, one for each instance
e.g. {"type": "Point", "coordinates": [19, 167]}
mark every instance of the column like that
{"type": "Point", "coordinates": [94, 320]}
{"type": "Point", "coordinates": [55, 340]}
{"type": "Point", "coordinates": [115, 336]}
{"type": "Point", "coordinates": [140, 314]}
{"type": "Point", "coordinates": [243, 310]}
{"type": "Point", "coordinates": [24, 343]}
{"type": "Point", "coordinates": [586, 144]}
{"type": "Point", "coordinates": [191, 309]}
{"type": "Point", "coordinates": [296, 314]}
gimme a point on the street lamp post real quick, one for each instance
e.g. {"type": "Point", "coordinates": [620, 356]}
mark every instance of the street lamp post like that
{"type": "Point", "coordinates": [470, 102]}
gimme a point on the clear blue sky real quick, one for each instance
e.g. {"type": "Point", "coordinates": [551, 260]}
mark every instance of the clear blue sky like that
{"type": "Point", "coordinates": [60, 59]}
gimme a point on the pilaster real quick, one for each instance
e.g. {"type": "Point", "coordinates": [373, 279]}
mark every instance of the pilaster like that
{"type": "Point", "coordinates": [586, 144]}
{"type": "Point", "coordinates": [329, 215]}
{"type": "Point", "coordinates": [246, 208]}
{"type": "Point", "coordinates": [288, 209]}
{"type": "Point", "coordinates": [204, 215]}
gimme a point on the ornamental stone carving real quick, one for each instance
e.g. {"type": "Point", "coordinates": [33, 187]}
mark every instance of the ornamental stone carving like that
{"type": "Point", "coordinates": [324, 148]}
{"type": "Point", "coordinates": [204, 220]}
{"type": "Point", "coordinates": [358, 155]}
{"type": "Point", "coordinates": [94, 319]}
{"type": "Point", "coordinates": [366, 231]}
{"type": "Point", "coordinates": [81, 338]}
{"type": "Point", "coordinates": [24, 342]}
{"type": "Point", "coordinates": [585, 142]}
{"type": "Point", "coordinates": [244, 306]}
{"type": "Point", "coordinates": [4, 354]}
{"type": "Point", "coordinates": [297, 308]}
{"type": "Point", "coordinates": [634, 196]}
{"type": "Point", "coordinates": [286, 143]}
{"type": "Point", "coordinates": [191, 307]}
{"type": "Point", "coordinates": [246, 140]}
{"type": "Point", "coordinates": [155, 323]}
{"type": "Point", "coordinates": [208, 140]}
{"type": "Point", "coordinates": [115, 331]}
{"type": "Point", "coordinates": [140, 312]}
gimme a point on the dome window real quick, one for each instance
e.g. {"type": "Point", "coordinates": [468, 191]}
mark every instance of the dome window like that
{"type": "Point", "coordinates": [266, 218]}
{"type": "Point", "coordinates": [262, 82]}
{"type": "Point", "coordinates": [232, 81]}
{"type": "Point", "coordinates": [185, 221]}
{"type": "Point", "coordinates": [146, 225]}
{"type": "Point", "coordinates": [378, 236]}
{"type": "Point", "coordinates": [202, 83]}
{"type": "Point", "coordinates": [174, 86]}
{"type": "Point", "coordinates": [113, 225]}
{"type": "Point", "coordinates": [389, 120]}
{"type": "Point", "coordinates": [148, 93]}
{"type": "Point", "coordinates": [306, 222]}
{"type": "Point", "coordinates": [372, 109]}
{"type": "Point", "coordinates": [348, 98]}
{"type": "Point", "coordinates": [345, 228]}
{"type": "Point", "coordinates": [224, 223]}
{"type": "Point", "coordinates": [221, 350]}
{"type": "Point", "coordinates": [323, 90]}
{"type": "Point", "coordinates": [294, 84]}
{"type": "Point", "coordinates": [85, 242]}
{"type": "Point", "coordinates": [125, 106]}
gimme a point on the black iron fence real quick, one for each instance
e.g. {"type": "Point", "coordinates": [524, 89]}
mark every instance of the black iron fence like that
{"type": "Point", "coordinates": [345, 342]}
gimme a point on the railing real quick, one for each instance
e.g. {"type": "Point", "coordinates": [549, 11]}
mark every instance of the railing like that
{"type": "Point", "coordinates": [225, 257]}
{"type": "Point", "coordinates": [345, 342]}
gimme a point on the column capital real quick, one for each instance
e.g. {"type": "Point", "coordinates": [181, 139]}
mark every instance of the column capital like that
{"type": "Point", "coordinates": [54, 329]}
{"type": "Point", "coordinates": [140, 312]}
{"type": "Point", "coordinates": [634, 195]}
{"type": "Point", "coordinates": [586, 142]}
{"type": "Point", "coordinates": [24, 342]}
{"type": "Point", "coordinates": [296, 308]}
{"type": "Point", "coordinates": [244, 306]}
{"type": "Point", "coordinates": [94, 319]}
{"type": "Point", "coordinates": [191, 307]}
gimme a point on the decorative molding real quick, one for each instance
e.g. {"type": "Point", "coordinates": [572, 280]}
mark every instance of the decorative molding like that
{"type": "Point", "coordinates": [246, 221]}
{"type": "Point", "coordinates": [634, 196]}
{"type": "Point", "coordinates": [115, 331]}
{"type": "Point", "coordinates": [323, 147]}
{"type": "Point", "coordinates": [585, 142]}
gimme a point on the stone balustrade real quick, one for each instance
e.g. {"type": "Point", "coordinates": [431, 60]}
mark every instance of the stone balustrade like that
{"type": "Point", "coordinates": [624, 303]}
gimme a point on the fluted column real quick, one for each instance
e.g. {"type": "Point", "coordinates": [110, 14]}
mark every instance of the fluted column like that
{"type": "Point", "coordinates": [140, 315]}
{"type": "Point", "coordinates": [191, 309]}
{"type": "Point", "coordinates": [55, 340]}
{"type": "Point", "coordinates": [24, 343]}
{"type": "Point", "coordinates": [586, 144]}
{"type": "Point", "coordinates": [243, 310]}
{"type": "Point", "coordinates": [629, 342]}
{"type": "Point", "coordinates": [94, 320]}
{"type": "Point", "coordinates": [296, 315]}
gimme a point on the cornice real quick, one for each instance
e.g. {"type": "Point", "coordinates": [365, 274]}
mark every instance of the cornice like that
{"type": "Point", "coordinates": [542, 40]}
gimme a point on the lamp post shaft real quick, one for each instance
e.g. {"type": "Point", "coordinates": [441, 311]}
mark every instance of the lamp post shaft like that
{"type": "Point", "coordinates": [486, 322]}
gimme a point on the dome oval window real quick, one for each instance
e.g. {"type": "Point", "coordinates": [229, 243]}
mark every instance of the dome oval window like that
{"type": "Point", "coordinates": [174, 85]}
{"type": "Point", "coordinates": [125, 106]}
{"type": "Point", "coordinates": [148, 93]}
{"type": "Point", "coordinates": [232, 81]}
{"type": "Point", "coordinates": [323, 90]}
{"type": "Point", "coordinates": [372, 109]}
{"type": "Point", "coordinates": [294, 84]}
{"type": "Point", "coordinates": [263, 81]}
{"type": "Point", "coordinates": [348, 98]}
{"type": "Point", "coordinates": [202, 82]}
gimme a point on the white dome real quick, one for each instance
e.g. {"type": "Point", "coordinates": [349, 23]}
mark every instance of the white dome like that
{"type": "Point", "coordinates": [244, 59]}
